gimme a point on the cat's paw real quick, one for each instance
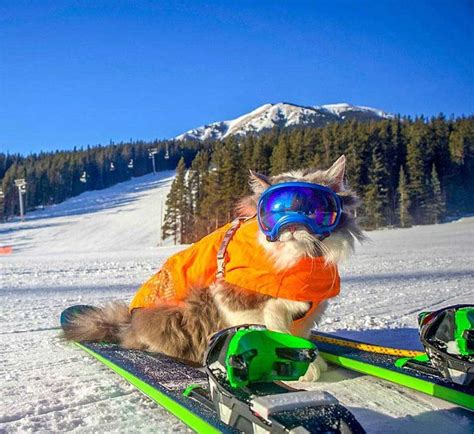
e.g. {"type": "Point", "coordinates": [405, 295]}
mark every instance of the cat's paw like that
{"type": "Point", "coordinates": [314, 370]}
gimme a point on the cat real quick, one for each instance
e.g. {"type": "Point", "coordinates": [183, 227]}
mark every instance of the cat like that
{"type": "Point", "coordinates": [182, 330]}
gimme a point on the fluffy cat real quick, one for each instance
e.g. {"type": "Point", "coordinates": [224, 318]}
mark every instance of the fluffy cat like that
{"type": "Point", "coordinates": [182, 331]}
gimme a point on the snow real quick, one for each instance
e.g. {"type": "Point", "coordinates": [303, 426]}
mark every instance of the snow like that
{"type": "Point", "coordinates": [102, 220]}
{"type": "Point", "coordinates": [452, 347]}
{"type": "Point", "coordinates": [268, 116]}
{"type": "Point", "coordinates": [102, 245]}
{"type": "Point", "coordinates": [339, 109]}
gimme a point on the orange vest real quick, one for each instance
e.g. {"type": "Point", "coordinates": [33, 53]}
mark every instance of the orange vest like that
{"type": "Point", "coordinates": [247, 265]}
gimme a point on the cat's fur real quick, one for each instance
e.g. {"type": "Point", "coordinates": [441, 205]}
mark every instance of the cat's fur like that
{"type": "Point", "coordinates": [182, 331]}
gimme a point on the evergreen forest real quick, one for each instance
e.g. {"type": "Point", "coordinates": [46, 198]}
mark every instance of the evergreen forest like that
{"type": "Point", "coordinates": [53, 177]}
{"type": "Point", "coordinates": [405, 171]}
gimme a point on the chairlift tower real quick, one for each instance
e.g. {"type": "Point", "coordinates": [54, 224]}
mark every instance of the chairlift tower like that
{"type": "Point", "coordinates": [21, 185]}
{"type": "Point", "coordinates": [2, 198]}
{"type": "Point", "coordinates": [151, 154]}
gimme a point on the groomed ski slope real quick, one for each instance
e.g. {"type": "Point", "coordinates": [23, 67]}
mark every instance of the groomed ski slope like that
{"type": "Point", "coordinates": [101, 245]}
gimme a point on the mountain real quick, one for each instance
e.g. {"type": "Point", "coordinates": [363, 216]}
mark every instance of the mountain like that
{"type": "Point", "coordinates": [283, 115]}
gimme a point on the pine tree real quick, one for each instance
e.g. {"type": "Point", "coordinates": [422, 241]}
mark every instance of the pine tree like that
{"type": "Point", "coordinates": [459, 187]}
{"type": "Point", "coordinates": [439, 144]}
{"type": "Point", "coordinates": [403, 200]}
{"type": "Point", "coordinates": [357, 150]}
{"type": "Point", "coordinates": [196, 190]}
{"type": "Point", "coordinates": [328, 139]}
{"type": "Point", "coordinates": [437, 204]}
{"type": "Point", "coordinates": [178, 214]}
{"type": "Point", "coordinates": [376, 193]}
{"type": "Point", "coordinates": [280, 159]}
{"type": "Point", "coordinates": [415, 162]}
{"type": "Point", "coordinates": [313, 153]}
{"type": "Point", "coordinates": [261, 153]}
{"type": "Point", "coordinates": [296, 146]}
{"type": "Point", "coordinates": [170, 226]}
{"type": "Point", "coordinates": [211, 204]}
{"type": "Point", "coordinates": [232, 179]}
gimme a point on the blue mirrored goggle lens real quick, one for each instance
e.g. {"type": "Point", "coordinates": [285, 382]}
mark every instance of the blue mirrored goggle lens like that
{"type": "Point", "coordinates": [319, 206]}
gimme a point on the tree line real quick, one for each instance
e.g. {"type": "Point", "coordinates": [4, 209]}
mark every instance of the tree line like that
{"type": "Point", "coordinates": [405, 171]}
{"type": "Point", "coordinates": [53, 177]}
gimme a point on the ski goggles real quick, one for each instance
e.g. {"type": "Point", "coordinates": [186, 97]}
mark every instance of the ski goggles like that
{"type": "Point", "coordinates": [314, 206]}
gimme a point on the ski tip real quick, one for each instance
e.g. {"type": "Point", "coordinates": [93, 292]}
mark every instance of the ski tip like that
{"type": "Point", "coordinates": [68, 314]}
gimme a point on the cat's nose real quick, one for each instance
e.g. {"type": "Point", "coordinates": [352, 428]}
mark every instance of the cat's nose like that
{"type": "Point", "coordinates": [292, 228]}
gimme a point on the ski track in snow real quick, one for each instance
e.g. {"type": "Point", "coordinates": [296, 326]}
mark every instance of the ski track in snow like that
{"type": "Point", "coordinates": [101, 245]}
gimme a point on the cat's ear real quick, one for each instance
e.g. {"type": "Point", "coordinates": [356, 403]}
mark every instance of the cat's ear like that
{"type": "Point", "coordinates": [335, 174]}
{"type": "Point", "coordinates": [258, 182]}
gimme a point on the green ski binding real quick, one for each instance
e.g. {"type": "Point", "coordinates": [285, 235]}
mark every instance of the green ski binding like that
{"type": "Point", "coordinates": [260, 355]}
{"type": "Point", "coordinates": [448, 337]}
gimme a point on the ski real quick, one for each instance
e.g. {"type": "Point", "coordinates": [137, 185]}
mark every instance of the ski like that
{"type": "Point", "coordinates": [387, 364]}
{"type": "Point", "coordinates": [163, 380]}
{"type": "Point", "coordinates": [235, 391]}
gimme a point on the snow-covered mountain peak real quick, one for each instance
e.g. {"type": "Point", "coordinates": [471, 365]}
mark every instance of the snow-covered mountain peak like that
{"type": "Point", "coordinates": [341, 108]}
{"type": "Point", "coordinates": [337, 109]}
{"type": "Point", "coordinates": [281, 115]}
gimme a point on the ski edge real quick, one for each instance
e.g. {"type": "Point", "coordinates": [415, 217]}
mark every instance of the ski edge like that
{"type": "Point", "coordinates": [185, 415]}
{"type": "Point", "coordinates": [438, 391]}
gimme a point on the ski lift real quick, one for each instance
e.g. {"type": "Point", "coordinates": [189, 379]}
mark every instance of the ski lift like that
{"type": "Point", "coordinates": [152, 152]}
{"type": "Point", "coordinates": [130, 164]}
{"type": "Point", "coordinates": [83, 177]}
{"type": "Point", "coordinates": [21, 185]}
{"type": "Point", "coordinates": [112, 167]}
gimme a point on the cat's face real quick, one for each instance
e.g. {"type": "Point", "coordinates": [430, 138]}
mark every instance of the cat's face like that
{"type": "Point", "coordinates": [297, 241]}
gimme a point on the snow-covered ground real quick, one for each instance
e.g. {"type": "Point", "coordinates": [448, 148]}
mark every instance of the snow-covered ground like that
{"type": "Point", "coordinates": [102, 245]}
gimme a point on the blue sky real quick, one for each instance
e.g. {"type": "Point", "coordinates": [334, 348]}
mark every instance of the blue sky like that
{"type": "Point", "coordinates": [78, 73]}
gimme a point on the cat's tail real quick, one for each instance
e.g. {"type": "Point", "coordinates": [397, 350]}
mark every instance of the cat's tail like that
{"type": "Point", "coordinates": [104, 324]}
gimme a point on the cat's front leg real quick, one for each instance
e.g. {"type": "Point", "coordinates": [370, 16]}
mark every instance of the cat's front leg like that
{"type": "Point", "coordinates": [314, 370]}
{"type": "Point", "coordinates": [303, 328]}
{"type": "Point", "coordinates": [278, 314]}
